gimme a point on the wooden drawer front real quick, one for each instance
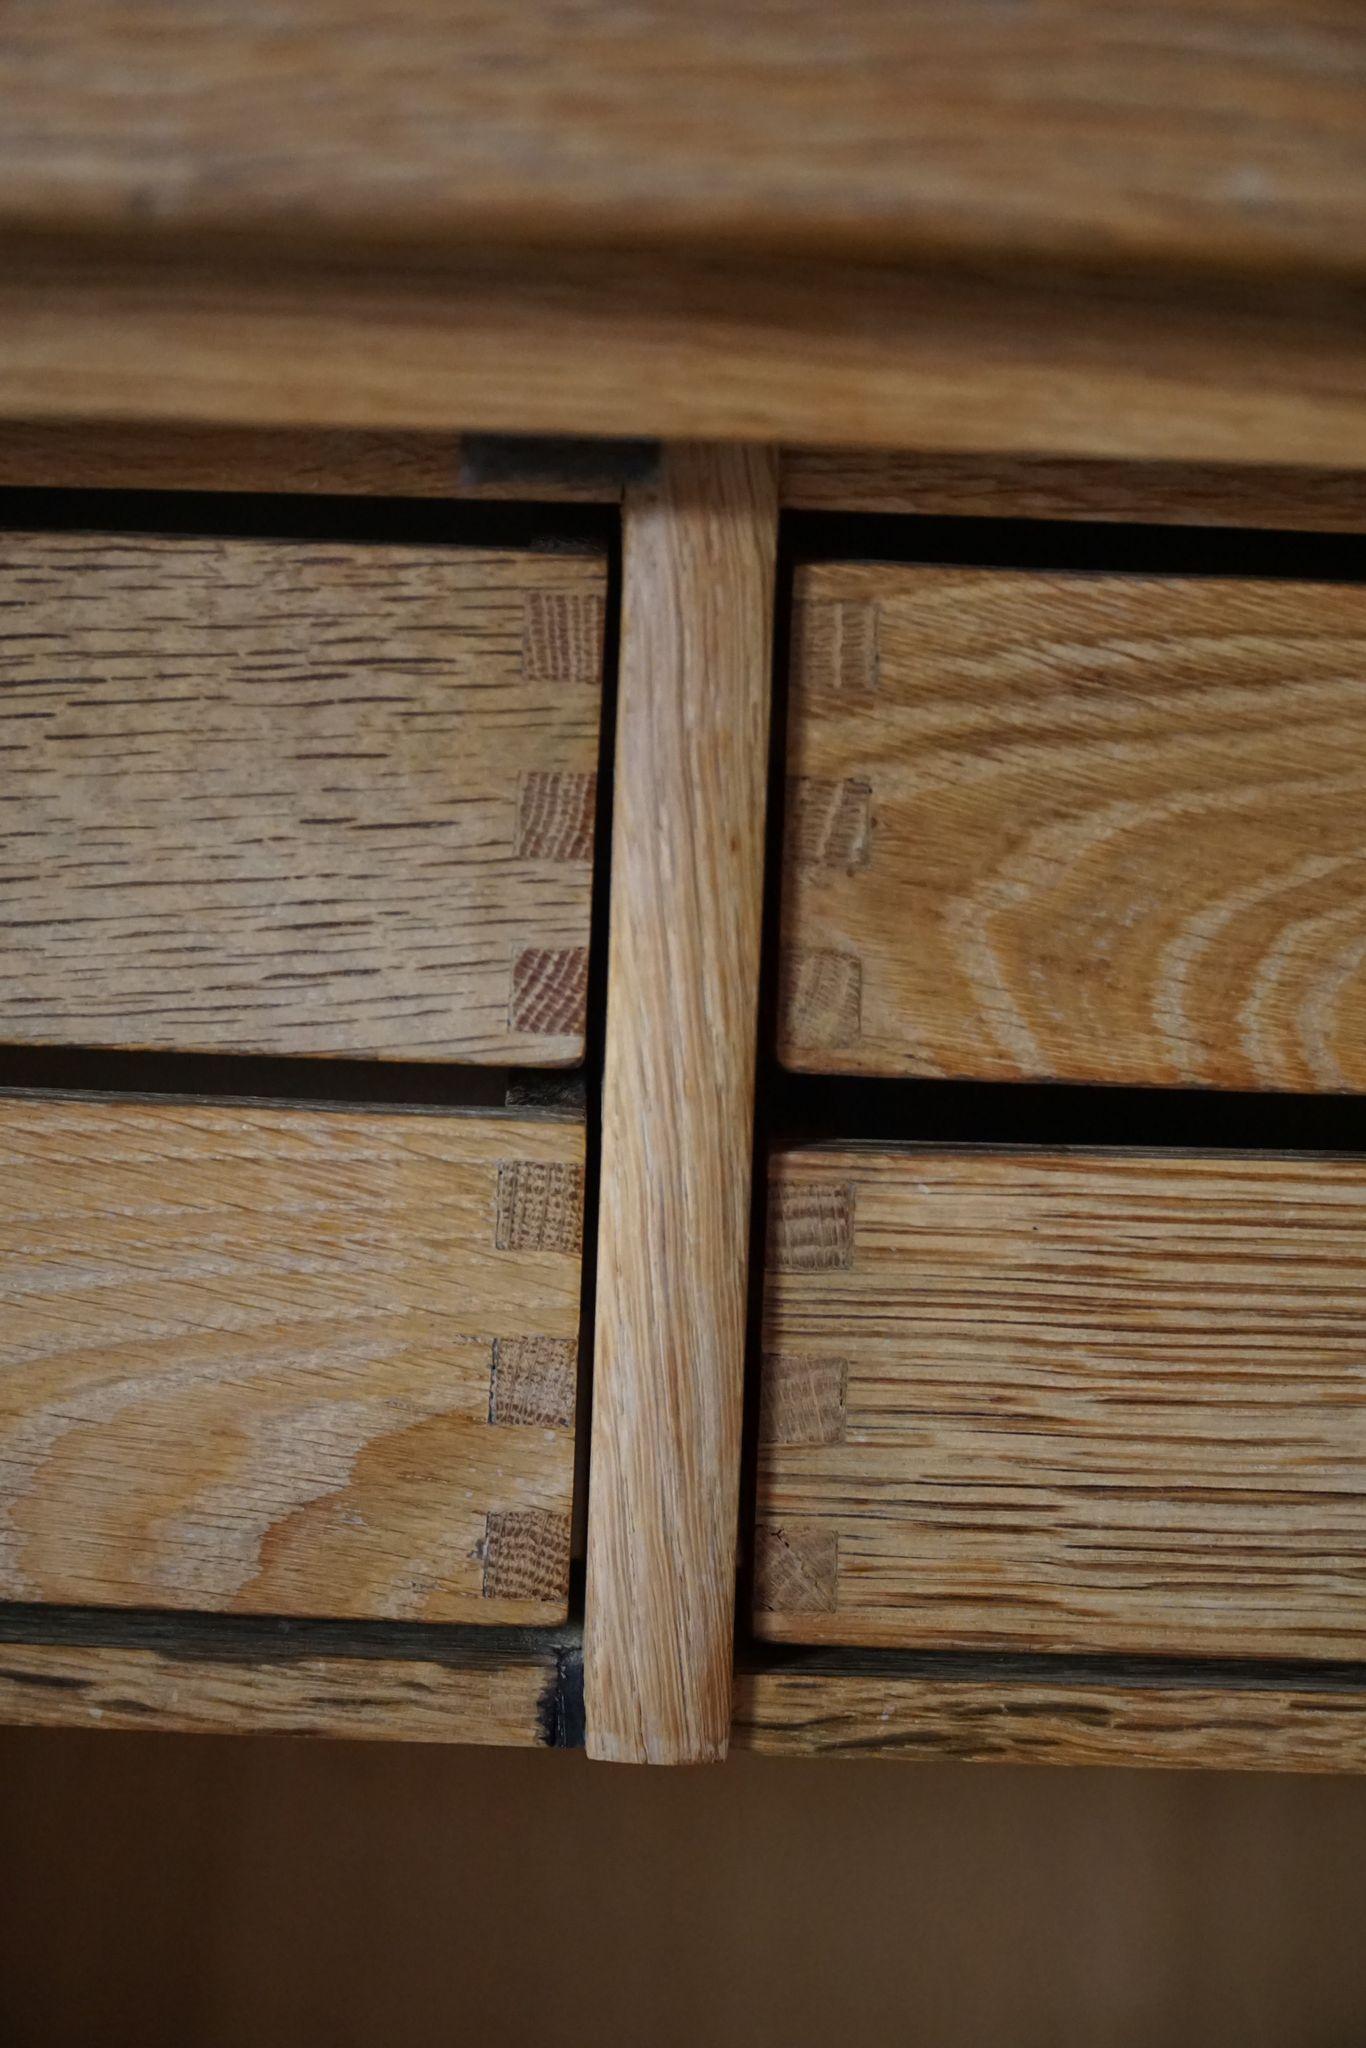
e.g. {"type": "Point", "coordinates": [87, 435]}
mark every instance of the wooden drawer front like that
{"type": "Point", "coordinates": [1077, 827]}
{"type": "Point", "coordinates": [295, 797]}
{"type": "Point", "coordinates": [288, 1361]}
{"type": "Point", "coordinates": [1065, 1402]}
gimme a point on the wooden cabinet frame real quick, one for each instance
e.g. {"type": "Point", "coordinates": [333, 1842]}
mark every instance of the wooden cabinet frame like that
{"type": "Point", "coordinates": [682, 990]}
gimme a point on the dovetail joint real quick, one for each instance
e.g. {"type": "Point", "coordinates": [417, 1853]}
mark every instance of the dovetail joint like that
{"type": "Point", "coordinates": [796, 1568]}
{"type": "Point", "coordinates": [810, 1226]}
{"type": "Point", "coordinates": [802, 1399]}
{"type": "Point", "coordinates": [562, 635]}
{"type": "Point", "coordinates": [538, 1207]}
{"type": "Point", "coordinates": [549, 994]}
{"type": "Point", "coordinates": [525, 1554]}
{"type": "Point", "coordinates": [532, 1381]}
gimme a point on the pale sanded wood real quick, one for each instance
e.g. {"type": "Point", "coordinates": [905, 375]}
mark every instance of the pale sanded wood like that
{"type": "Point", "coordinates": [623, 343]}
{"type": "Point", "coordinates": [1082, 1402]}
{"type": "Point", "coordinates": [447, 1692]}
{"type": "Point", "coordinates": [1181, 1724]}
{"type": "Point", "coordinates": [297, 797]}
{"type": "Point", "coordinates": [257, 1360]}
{"type": "Point", "coordinates": [678, 1099]}
{"type": "Point", "coordinates": [1225, 132]}
{"type": "Point", "coordinates": [1081, 827]}
{"type": "Point", "coordinates": [1035, 487]}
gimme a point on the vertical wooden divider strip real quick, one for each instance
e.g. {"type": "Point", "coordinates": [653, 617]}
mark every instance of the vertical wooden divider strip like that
{"type": "Point", "coordinates": [699, 552]}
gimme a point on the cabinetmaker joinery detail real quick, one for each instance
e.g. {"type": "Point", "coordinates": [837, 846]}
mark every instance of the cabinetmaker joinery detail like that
{"type": "Point", "coordinates": [1059, 1454]}
{"type": "Point", "coordinates": [834, 615]}
{"type": "Point", "coordinates": [288, 1361]}
{"type": "Point", "coordinates": [1080, 827]}
{"type": "Point", "coordinates": [1064, 1402]}
{"type": "Point", "coordinates": [297, 796]}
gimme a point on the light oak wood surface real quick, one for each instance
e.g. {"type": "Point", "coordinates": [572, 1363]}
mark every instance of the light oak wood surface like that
{"type": "Point", "coordinates": [1065, 1402]}
{"type": "Point", "coordinates": [1226, 134]}
{"type": "Point", "coordinates": [297, 1361]}
{"type": "Point", "coordinates": [625, 343]}
{"type": "Point", "coordinates": [297, 797]}
{"type": "Point", "coordinates": [1077, 827]}
{"type": "Point", "coordinates": [678, 1104]}
{"type": "Point", "coordinates": [1181, 1723]}
{"type": "Point", "coordinates": [446, 1691]}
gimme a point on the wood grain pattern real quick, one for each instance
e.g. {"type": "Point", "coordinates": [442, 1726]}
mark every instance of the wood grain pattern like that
{"type": "Point", "coordinates": [1180, 1725]}
{"type": "Point", "coordinates": [1227, 133]}
{"type": "Point", "coordinates": [1327, 500]}
{"type": "Point", "coordinates": [1083, 827]}
{"type": "Point", "coordinates": [57, 455]}
{"type": "Point", "coordinates": [1093, 1402]}
{"type": "Point", "coordinates": [94, 455]}
{"type": "Point", "coordinates": [619, 343]}
{"type": "Point", "coordinates": [181, 456]}
{"type": "Point", "coordinates": [678, 1104]}
{"type": "Point", "coordinates": [297, 797]}
{"type": "Point", "coordinates": [248, 1361]}
{"type": "Point", "coordinates": [504, 1696]}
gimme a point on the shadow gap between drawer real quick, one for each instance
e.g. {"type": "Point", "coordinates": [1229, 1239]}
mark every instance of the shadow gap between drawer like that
{"type": "Point", "coordinates": [813, 1109]}
{"type": "Point", "coordinates": [1066, 546]}
{"type": "Point", "coordinates": [477, 525]}
{"type": "Point", "coordinates": [1026, 1667]}
{"type": "Point", "coordinates": [190, 1632]}
{"type": "Point", "coordinates": [769, 1115]}
{"type": "Point", "coordinates": [590, 1086]}
{"type": "Point", "coordinates": [269, 1080]}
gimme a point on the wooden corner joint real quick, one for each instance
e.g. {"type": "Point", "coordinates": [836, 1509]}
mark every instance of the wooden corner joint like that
{"type": "Point", "coordinates": [796, 1565]}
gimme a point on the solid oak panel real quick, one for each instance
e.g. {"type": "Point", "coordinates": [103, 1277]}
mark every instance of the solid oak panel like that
{"type": "Point", "coordinates": [624, 343]}
{"type": "Point", "coordinates": [1080, 827]}
{"type": "Point", "coordinates": [1183, 1724]}
{"type": "Point", "coordinates": [297, 797]}
{"type": "Point", "coordinates": [279, 1361]}
{"type": "Point", "coordinates": [451, 1690]}
{"type": "Point", "coordinates": [698, 563]}
{"type": "Point", "coordinates": [1065, 1402]}
{"type": "Point", "coordinates": [1226, 133]}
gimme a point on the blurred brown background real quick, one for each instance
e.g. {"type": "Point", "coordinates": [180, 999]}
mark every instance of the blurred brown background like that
{"type": "Point", "coordinates": [212, 1891]}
